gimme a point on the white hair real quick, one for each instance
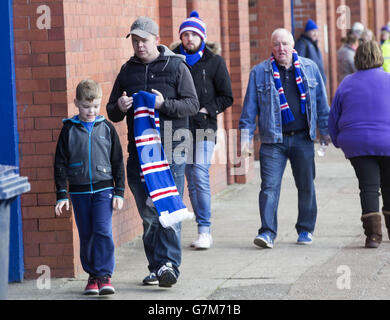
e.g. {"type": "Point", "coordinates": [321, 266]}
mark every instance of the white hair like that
{"type": "Point", "coordinates": [286, 32]}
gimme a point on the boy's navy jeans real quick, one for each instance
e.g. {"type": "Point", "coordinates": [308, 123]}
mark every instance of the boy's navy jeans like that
{"type": "Point", "coordinates": [161, 244]}
{"type": "Point", "coordinates": [273, 159]}
{"type": "Point", "coordinates": [93, 214]}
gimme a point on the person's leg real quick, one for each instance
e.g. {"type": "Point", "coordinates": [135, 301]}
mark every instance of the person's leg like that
{"type": "Point", "coordinates": [273, 161]}
{"type": "Point", "coordinates": [149, 216]}
{"type": "Point", "coordinates": [83, 215]}
{"type": "Point", "coordinates": [301, 154]}
{"type": "Point", "coordinates": [103, 244]}
{"type": "Point", "coordinates": [367, 171]}
{"type": "Point", "coordinates": [385, 190]}
{"type": "Point", "coordinates": [167, 246]}
{"type": "Point", "coordinates": [201, 185]}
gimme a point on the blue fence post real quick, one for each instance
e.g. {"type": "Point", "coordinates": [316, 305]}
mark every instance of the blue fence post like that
{"type": "Point", "coordinates": [9, 154]}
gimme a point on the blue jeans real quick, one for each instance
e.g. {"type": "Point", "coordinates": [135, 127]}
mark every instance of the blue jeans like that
{"type": "Point", "coordinates": [198, 182]}
{"type": "Point", "coordinates": [93, 215]}
{"type": "Point", "coordinates": [161, 244]}
{"type": "Point", "coordinates": [273, 158]}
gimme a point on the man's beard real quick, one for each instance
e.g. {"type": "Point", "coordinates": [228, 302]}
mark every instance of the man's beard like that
{"type": "Point", "coordinates": [191, 51]}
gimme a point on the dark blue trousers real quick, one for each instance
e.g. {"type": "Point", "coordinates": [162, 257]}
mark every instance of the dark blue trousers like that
{"type": "Point", "coordinates": [93, 214]}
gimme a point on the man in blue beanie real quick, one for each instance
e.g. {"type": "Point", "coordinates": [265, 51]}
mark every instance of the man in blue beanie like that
{"type": "Point", "coordinates": [213, 87]}
{"type": "Point", "coordinates": [307, 46]}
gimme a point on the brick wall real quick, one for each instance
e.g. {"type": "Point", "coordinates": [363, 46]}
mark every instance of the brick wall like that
{"type": "Point", "coordinates": [87, 40]}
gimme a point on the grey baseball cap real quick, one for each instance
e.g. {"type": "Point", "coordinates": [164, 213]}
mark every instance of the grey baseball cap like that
{"type": "Point", "coordinates": [143, 27]}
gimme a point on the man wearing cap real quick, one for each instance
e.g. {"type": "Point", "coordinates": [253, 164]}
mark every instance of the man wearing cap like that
{"type": "Point", "coordinates": [156, 69]}
{"type": "Point", "coordinates": [213, 86]}
{"type": "Point", "coordinates": [307, 46]}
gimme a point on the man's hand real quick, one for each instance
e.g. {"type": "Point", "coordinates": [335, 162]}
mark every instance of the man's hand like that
{"type": "Point", "coordinates": [246, 150]}
{"type": "Point", "coordinates": [325, 139]}
{"type": "Point", "coordinates": [117, 203]}
{"type": "Point", "coordinates": [124, 102]}
{"type": "Point", "coordinates": [159, 99]}
{"type": "Point", "coordinates": [203, 110]}
{"type": "Point", "coordinates": [59, 206]}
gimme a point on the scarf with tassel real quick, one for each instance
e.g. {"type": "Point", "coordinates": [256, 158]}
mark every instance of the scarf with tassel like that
{"type": "Point", "coordinates": [154, 168]}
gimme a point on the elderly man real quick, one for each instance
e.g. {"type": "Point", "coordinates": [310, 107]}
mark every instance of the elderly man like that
{"type": "Point", "coordinates": [307, 46]}
{"type": "Point", "coordinates": [288, 95]}
{"type": "Point", "coordinates": [156, 69]}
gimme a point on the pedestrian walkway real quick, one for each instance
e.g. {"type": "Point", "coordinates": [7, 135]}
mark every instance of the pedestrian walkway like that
{"type": "Point", "coordinates": [335, 266]}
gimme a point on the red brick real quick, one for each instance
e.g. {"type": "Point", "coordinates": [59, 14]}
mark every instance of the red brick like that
{"type": "Point", "coordinates": [48, 46]}
{"type": "Point", "coordinates": [40, 59]}
{"type": "Point", "coordinates": [22, 47]}
{"type": "Point", "coordinates": [64, 236]}
{"type": "Point", "coordinates": [34, 237]}
{"type": "Point", "coordinates": [30, 225]}
{"type": "Point", "coordinates": [58, 84]}
{"type": "Point", "coordinates": [37, 161]}
{"type": "Point", "coordinates": [28, 199]}
{"type": "Point", "coordinates": [33, 111]}
{"type": "Point", "coordinates": [32, 85]}
{"type": "Point", "coordinates": [26, 148]}
{"type": "Point", "coordinates": [55, 224]}
{"type": "Point", "coordinates": [31, 250]}
{"type": "Point", "coordinates": [45, 173]}
{"type": "Point", "coordinates": [35, 136]}
{"type": "Point", "coordinates": [38, 212]}
{"type": "Point", "coordinates": [56, 34]}
{"type": "Point", "coordinates": [49, 122]}
{"type": "Point", "coordinates": [46, 148]}
{"type": "Point", "coordinates": [56, 249]}
{"type": "Point", "coordinates": [48, 98]}
{"type": "Point", "coordinates": [48, 72]}
{"type": "Point", "coordinates": [34, 262]}
{"type": "Point", "coordinates": [31, 35]}
{"type": "Point", "coordinates": [21, 22]}
{"type": "Point", "coordinates": [46, 199]}
{"type": "Point", "coordinates": [23, 73]}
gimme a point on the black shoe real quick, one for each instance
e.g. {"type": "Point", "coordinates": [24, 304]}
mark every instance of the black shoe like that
{"type": "Point", "coordinates": [166, 276]}
{"type": "Point", "coordinates": [150, 280]}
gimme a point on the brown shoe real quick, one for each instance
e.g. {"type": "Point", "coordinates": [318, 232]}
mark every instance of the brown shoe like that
{"type": "Point", "coordinates": [372, 229]}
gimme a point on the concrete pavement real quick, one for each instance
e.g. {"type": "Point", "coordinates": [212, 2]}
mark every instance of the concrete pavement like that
{"type": "Point", "coordinates": [335, 266]}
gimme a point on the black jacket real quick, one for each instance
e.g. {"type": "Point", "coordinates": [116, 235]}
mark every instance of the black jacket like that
{"type": "Point", "coordinates": [168, 74]}
{"type": "Point", "coordinates": [89, 161]}
{"type": "Point", "coordinates": [213, 87]}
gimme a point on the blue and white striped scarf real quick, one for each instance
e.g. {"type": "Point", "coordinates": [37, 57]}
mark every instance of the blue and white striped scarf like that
{"type": "Point", "coordinates": [154, 167]}
{"type": "Point", "coordinates": [287, 115]}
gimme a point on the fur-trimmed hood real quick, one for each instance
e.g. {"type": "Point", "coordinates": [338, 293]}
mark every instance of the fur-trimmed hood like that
{"type": "Point", "coordinates": [215, 47]}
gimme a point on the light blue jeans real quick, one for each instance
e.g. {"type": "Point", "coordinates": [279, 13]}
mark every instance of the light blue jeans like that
{"type": "Point", "coordinates": [198, 182]}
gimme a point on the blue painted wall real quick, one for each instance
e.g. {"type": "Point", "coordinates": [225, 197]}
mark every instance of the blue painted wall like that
{"type": "Point", "coordinates": [9, 154]}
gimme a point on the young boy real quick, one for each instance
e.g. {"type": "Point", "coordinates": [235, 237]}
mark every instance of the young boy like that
{"type": "Point", "coordinates": [89, 156]}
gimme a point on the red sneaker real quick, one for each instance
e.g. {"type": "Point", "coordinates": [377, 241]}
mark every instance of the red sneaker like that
{"type": "Point", "coordinates": [105, 286]}
{"type": "Point", "coordinates": [92, 287]}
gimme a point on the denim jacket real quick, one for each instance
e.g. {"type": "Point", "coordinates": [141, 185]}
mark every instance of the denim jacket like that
{"type": "Point", "coordinates": [262, 100]}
